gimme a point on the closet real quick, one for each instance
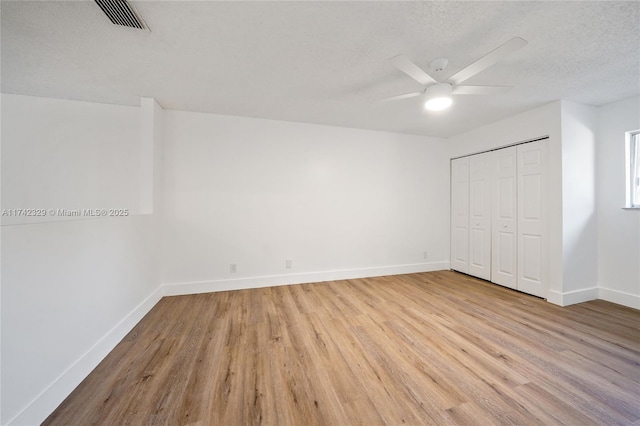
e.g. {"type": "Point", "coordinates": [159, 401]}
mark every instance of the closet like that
{"type": "Point", "coordinates": [498, 216]}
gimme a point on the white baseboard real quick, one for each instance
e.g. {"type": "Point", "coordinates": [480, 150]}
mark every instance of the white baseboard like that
{"type": "Point", "coordinates": [619, 297]}
{"type": "Point", "coordinates": [554, 297]}
{"type": "Point", "coordinates": [176, 289]}
{"type": "Point", "coordinates": [572, 297]}
{"type": "Point", "coordinates": [42, 405]}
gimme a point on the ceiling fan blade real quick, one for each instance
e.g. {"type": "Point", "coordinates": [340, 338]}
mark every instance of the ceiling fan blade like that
{"type": "Point", "coordinates": [488, 60]}
{"type": "Point", "coordinates": [480, 90]}
{"type": "Point", "coordinates": [405, 96]}
{"type": "Point", "coordinates": [412, 70]}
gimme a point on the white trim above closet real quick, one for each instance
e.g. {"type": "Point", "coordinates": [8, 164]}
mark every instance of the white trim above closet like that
{"type": "Point", "coordinates": [499, 216]}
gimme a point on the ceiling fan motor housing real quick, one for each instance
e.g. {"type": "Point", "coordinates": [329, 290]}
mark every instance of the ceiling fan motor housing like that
{"type": "Point", "coordinates": [440, 90]}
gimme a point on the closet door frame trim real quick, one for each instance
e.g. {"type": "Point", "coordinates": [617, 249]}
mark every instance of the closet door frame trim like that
{"type": "Point", "coordinates": [541, 138]}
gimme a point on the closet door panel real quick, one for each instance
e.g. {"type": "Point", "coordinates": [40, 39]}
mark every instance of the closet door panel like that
{"type": "Point", "coordinates": [460, 215]}
{"type": "Point", "coordinates": [480, 177]}
{"type": "Point", "coordinates": [504, 224]}
{"type": "Point", "coordinates": [532, 219]}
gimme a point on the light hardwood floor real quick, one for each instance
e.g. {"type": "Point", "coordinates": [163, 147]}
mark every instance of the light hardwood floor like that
{"type": "Point", "coordinates": [430, 348]}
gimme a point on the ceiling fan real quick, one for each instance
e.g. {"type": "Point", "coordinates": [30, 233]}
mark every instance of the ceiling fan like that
{"type": "Point", "coordinates": [438, 92]}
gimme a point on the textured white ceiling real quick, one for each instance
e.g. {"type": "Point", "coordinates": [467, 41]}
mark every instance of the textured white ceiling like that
{"type": "Point", "coordinates": [322, 62]}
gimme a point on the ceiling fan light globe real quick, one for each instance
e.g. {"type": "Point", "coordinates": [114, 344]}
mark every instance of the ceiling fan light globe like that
{"type": "Point", "coordinates": [438, 97]}
{"type": "Point", "coordinates": [438, 104]}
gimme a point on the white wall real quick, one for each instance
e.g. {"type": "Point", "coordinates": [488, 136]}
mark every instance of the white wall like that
{"type": "Point", "coordinates": [61, 154]}
{"type": "Point", "coordinates": [618, 230]}
{"type": "Point", "coordinates": [580, 242]}
{"type": "Point", "coordinates": [542, 121]}
{"type": "Point", "coordinates": [71, 287]}
{"type": "Point", "coordinates": [337, 202]}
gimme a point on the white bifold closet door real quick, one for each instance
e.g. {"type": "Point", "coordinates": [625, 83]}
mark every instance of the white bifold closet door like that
{"type": "Point", "coordinates": [498, 216]}
{"type": "Point", "coordinates": [480, 215]}
{"type": "Point", "coordinates": [460, 214]}
{"type": "Point", "coordinates": [504, 226]}
{"type": "Point", "coordinates": [532, 258]}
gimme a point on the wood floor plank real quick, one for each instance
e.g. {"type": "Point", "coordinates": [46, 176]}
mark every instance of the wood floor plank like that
{"type": "Point", "coordinates": [550, 409]}
{"type": "Point", "coordinates": [366, 383]}
{"type": "Point", "coordinates": [427, 348]}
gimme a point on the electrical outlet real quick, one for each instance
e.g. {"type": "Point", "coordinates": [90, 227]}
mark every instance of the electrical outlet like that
{"type": "Point", "coordinates": [233, 268]}
{"type": "Point", "coordinates": [425, 255]}
{"type": "Point", "coordinates": [287, 264]}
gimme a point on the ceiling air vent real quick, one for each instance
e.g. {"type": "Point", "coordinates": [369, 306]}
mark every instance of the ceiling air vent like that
{"type": "Point", "coordinates": [120, 12]}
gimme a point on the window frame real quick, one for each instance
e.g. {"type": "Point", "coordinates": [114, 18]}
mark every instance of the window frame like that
{"type": "Point", "coordinates": [632, 169]}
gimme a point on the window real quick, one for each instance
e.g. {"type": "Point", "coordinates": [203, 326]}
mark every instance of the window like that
{"type": "Point", "coordinates": [633, 169]}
